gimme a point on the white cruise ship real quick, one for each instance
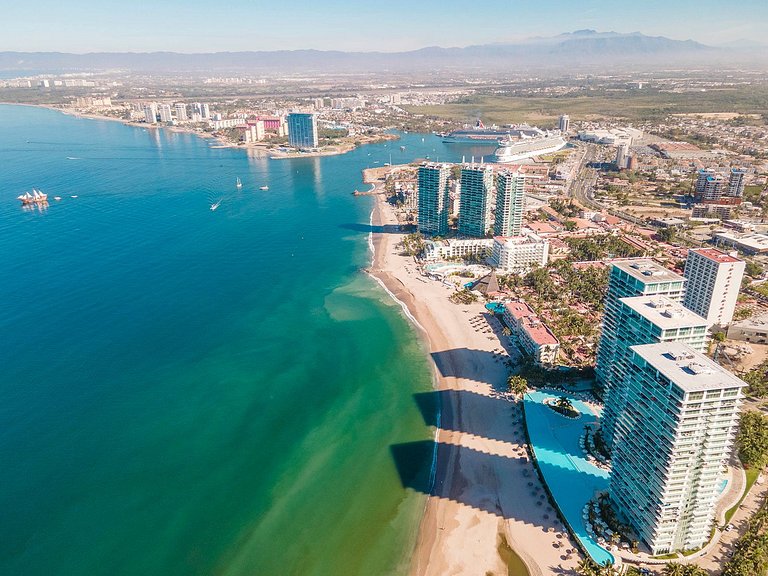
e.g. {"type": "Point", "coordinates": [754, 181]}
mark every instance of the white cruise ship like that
{"type": "Point", "coordinates": [512, 150]}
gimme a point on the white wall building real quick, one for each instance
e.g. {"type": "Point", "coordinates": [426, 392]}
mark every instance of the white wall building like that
{"type": "Point", "coordinates": [714, 281]}
{"type": "Point", "coordinates": [150, 113]}
{"type": "Point", "coordinates": [671, 443]}
{"type": "Point", "coordinates": [455, 248]}
{"type": "Point", "coordinates": [165, 113]}
{"type": "Point", "coordinates": [533, 336]}
{"type": "Point", "coordinates": [519, 254]}
{"type": "Point", "coordinates": [181, 112]}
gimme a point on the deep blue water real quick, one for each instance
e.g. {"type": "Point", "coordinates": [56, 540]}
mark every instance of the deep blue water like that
{"type": "Point", "coordinates": [193, 392]}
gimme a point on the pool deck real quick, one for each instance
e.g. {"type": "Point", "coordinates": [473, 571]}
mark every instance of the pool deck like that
{"type": "Point", "coordinates": [570, 478]}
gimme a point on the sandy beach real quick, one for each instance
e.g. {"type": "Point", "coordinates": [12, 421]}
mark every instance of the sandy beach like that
{"type": "Point", "coordinates": [486, 497]}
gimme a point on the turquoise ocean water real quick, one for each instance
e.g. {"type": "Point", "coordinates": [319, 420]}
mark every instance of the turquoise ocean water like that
{"type": "Point", "coordinates": [193, 392]}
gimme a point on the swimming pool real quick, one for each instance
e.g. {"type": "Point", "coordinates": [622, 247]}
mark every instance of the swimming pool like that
{"type": "Point", "coordinates": [571, 479]}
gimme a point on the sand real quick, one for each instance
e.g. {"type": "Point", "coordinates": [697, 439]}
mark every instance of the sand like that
{"type": "Point", "coordinates": [486, 490]}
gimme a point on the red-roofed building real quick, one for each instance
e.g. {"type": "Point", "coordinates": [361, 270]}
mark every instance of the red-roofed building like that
{"type": "Point", "coordinates": [531, 333]}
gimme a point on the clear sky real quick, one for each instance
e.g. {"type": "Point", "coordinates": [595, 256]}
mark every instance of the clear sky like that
{"type": "Point", "coordinates": [387, 25]}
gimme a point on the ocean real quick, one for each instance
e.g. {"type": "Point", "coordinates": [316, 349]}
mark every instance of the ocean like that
{"type": "Point", "coordinates": [186, 391]}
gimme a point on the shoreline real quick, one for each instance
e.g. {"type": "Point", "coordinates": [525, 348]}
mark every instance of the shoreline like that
{"type": "Point", "coordinates": [258, 146]}
{"type": "Point", "coordinates": [479, 503]}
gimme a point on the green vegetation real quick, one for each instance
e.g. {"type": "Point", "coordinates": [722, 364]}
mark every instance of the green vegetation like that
{"type": "Point", "coordinates": [517, 385]}
{"type": "Point", "coordinates": [463, 297]}
{"type": "Point", "coordinates": [588, 249]}
{"type": "Point", "coordinates": [752, 475]}
{"type": "Point", "coordinates": [413, 244]}
{"type": "Point", "coordinates": [757, 378]}
{"type": "Point", "coordinates": [753, 269]}
{"type": "Point", "coordinates": [588, 567]}
{"type": "Point", "coordinates": [567, 209]}
{"type": "Point", "coordinates": [752, 440]}
{"type": "Point", "coordinates": [675, 569]}
{"type": "Point", "coordinates": [667, 234]}
{"type": "Point", "coordinates": [751, 552]}
{"type": "Point", "coordinates": [644, 105]}
{"type": "Point", "coordinates": [564, 406]}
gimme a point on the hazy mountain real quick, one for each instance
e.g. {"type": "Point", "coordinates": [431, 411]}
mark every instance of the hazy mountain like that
{"type": "Point", "coordinates": [582, 48]}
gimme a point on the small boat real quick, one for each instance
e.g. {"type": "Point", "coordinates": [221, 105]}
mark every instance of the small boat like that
{"type": "Point", "coordinates": [73, 196]}
{"type": "Point", "coordinates": [263, 187]}
{"type": "Point", "coordinates": [215, 205]}
{"type": "Point", "coordinates": [57, 198]}
{"type": "Point", "coordinates": [402, 148]}
{"type": "Point", "coordinates": [239, 184]}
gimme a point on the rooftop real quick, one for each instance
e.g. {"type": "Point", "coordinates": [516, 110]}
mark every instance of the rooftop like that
{"type": "Point", "coordinates": [538, 331]}
{"type": "Point", "coordinates": [716, 255]}
{"type": "Point", "coordinates": [647, 270]}
{"type": "Point", "coordinates": [689, 370]}
{"type": "Point", "coordinates": [663, 312]}
{"type": "Point", "coordinates": [519, 309]}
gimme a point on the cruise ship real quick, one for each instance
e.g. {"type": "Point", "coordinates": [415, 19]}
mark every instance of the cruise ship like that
{"type": "Point", "coordinates": [482, 136]}
{"type": "Point", "coordinates": [514, 149]}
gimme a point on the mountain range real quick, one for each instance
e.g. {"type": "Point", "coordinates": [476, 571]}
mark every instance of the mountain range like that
{"type": "Point", "coordinates": [586, 49]}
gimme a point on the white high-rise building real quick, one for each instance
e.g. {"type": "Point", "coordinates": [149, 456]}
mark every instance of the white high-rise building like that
{"type": "Point", "coordinates": [564, 123]}
{"type": "Point", "coordinates": [714, 281]}
{"type": "Point", "coordinates": [206, 112]}
{"type": "Point", "coordinates": [181, 112]}
{"type": "Point", "coordinates": [165, 113]}
{"type": "Point", "coordinates": [519, 254]}
{"type": "Point", "coordinates": [509, 203]}
{"type": "Point", "coordinates": [634, 277]}
{"type": "Point", "coordinates": [622, 156]}
{"type": "Point", "coordinates": [672, 441]}
{"type": "Point", "coordinates": [150, 113]}
{"type": "Point", "coordinates": [643, 320]}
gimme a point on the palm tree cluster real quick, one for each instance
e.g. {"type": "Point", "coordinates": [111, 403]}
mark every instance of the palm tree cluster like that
{"type": "Point", "coordinates": [589, 567]}
{"type": "Point", "coordinates": [517, 385]}
{"type": "Point", "coordinates": [565, 407]}
{"type": "Point", "coordinates": [751, 555]}
{"type": "Point", "coordinates": [598, 248]}
{"type": "Point", "coordinates": [675, 569]}
{"type": "Point", "coordinates": [752, 439]}
{"type": "Point", "coordinates": [413, 244]}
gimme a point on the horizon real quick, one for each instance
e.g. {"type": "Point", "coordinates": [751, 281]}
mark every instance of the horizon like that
{"type": "Point", "coordinates": [83, 27]}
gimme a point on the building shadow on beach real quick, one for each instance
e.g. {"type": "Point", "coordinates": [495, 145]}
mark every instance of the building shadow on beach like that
{"type": "Point", "coordinates": [474, 365]}
{"type": "Point", "coordinates": [383, 229]}
{"type": "Point", "coordinates": [480, 480]}
{"type": "Point", "coordinates": [498, 423]}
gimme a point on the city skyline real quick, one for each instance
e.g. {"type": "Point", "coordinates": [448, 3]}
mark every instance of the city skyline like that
{"type": "Point", "coordinates": [192, 27]}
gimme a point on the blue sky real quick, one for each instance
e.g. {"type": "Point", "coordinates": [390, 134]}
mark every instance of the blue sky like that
{"type": "Point", "coordinates": [387, 25]}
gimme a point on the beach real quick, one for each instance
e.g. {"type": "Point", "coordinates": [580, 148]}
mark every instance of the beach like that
{"type": "Point", "coordinates": [486, 497]}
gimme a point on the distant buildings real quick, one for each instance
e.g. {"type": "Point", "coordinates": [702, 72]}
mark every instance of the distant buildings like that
{"type": "Point", "coordinates": [302, 130]}
{"type": "Point", "coordinates": [457, 248]}
{"type": "Point", "coordinates": [181, 112]}
{"type": "Point", "coordinates": [475, 200]}
{"type": "Point", "coordinates": [166, 114]}
{"type": "Point", "coordinates": [748, 243]}
{"type": "Point", "coordinates": [671, 442]}
{"type": "Point", "coordinates": [634, 277]}
{"type": "Point", "coordinates": [564, 123]}
{"type": "Point", "coordinates": [518, 254]}
{"type": "Point", "coordinates": [711, 185]}
{"type": "Point", "coordinates": [434, 200]}
{"type": "Point", "coordinates": [150, 113]}
{"type": "Point", "coordinates": [509, 203]}
{"type": "Point", "coordinates": [714, 281]}
{"type": "Point", "coordinates": [531, 333]}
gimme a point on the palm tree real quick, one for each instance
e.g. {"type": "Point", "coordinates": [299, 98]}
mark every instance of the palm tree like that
{"type": "Point", "coordinates": [564, 404]}
{"type": "Point", "coordinates": [517, 385]}
{"type": "Point", "coordinates": [674, 569]}
{"type": "Point", "coordinates": [587, 568]}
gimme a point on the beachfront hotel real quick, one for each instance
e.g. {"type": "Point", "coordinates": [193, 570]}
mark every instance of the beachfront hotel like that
{"type": "Point", "coordinates": [434, 199]}
{"type": "Point", "coordinates": [531, 333]}
{"type": "Point", "coordinates": [519, 254]}
{"type": "Point", "coordinates": [509, 203]}
{"type": "Point", "coordinates": [714, 281]}
{"type": "Point", "coordinates": [475, 200]}
{"type": "Point", "coordinates": [632, 277]}
{"type": "Point", "coordinates": [642, 320]}
{"type": "Point", "coordinates": [302, 130]}
{"type": "Point", "coordinates": [672, 440]}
